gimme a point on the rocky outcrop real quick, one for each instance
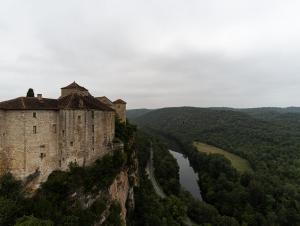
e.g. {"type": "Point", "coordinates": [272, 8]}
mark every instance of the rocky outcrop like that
{"type": "Point", "coordinates": [119, 190]}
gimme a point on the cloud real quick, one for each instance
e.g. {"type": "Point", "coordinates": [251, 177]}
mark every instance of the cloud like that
{"type": "Point", "coordinates": [154, 53]}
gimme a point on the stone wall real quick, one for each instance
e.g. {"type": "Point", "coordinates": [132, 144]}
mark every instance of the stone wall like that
{"type": "Point", "coordinates": [84, 136]}
{"type": "Point", "coordinates": [4, 158]}
{"type": "Point", "coordinates": [121, 111]}
{"type": "Point", "coordinates": [30, 142]}
{"type": "Point", "coordinates": [38, 142]}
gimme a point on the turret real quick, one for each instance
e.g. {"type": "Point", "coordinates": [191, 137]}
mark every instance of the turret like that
{"type": "Point", "coordinates": [74, 88]}
{"type": "Point", "coordinates": [120, 108]}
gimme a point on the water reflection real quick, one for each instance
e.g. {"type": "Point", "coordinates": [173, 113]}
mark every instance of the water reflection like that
{"type": "Point", "coordinates": [188, 177]}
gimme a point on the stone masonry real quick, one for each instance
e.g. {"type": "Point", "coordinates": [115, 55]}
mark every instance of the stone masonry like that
{"type": "Point", "coordinates": [40, 135]}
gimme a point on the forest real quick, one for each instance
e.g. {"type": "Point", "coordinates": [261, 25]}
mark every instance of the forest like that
{"type": "Point", "coordinates": [268, 139]}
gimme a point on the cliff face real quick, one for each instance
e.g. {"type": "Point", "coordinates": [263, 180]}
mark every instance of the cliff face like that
{"type": "Point", "coordinates": [122, 189]}
{"type": "Point", "coordinates": [119, 191]}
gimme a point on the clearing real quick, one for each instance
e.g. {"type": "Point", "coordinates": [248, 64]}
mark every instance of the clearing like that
{"type": "Point", "coordinates": [237, 162]}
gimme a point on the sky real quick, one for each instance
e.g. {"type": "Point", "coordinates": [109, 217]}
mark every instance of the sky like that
{"type": "Point", "coordinates": [154, 53]}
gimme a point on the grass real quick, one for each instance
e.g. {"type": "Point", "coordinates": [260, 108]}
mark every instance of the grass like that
{"type": "Point", "coordinates": [237, 162]}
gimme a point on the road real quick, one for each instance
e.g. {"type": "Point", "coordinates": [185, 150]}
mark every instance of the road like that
{"type": "Point", "coordinates": [150, 172]}
{"type": "Point", "coordinates": [156, 186]}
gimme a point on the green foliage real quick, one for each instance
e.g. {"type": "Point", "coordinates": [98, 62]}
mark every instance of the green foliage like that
{"type": "Point", "coordinates": [151, 210]}
{"type": "Point", "coordinates": [10, 188]}
{"type": "Point", "coordinates": [55, 201]}
{"type": "Point", "coordinates": [166, 168]}
{"type": "Point", "coordinates": [124, 132]}
{"type": "Point", "coordinates": [32, 221]}
{"type": "Point", "coordinates": [30, 93]}
{"type": "Point", "coordinates": [9, 211]}
{"type": "Point", "coordinates": [269, 141]}
{"type": "Point", "coordinates": [114, 218]}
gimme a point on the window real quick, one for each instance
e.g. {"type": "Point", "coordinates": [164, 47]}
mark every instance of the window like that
{"type": "Point", "coordinates": [71, 143]}
{"type": "Point", "coordinates": [63, 132]}
{"type": "Point", "coordinates": [42, 155]}
{"type": "Point", "coordinates": [34, 114]}
{"type": "Point", "coordinates": [54, 128]}
{"type": "Point", "coordinates": [79, 117]}
{"type": "Point", "coordinates": [93, 114]}
{"type": "Point", "coordinates": [34, 129]}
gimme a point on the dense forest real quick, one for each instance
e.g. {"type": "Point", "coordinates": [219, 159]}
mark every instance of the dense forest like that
{"type": "Point", "coordinates": [268, 139]}
{"type": "Point", "coordinates": [179, 207]}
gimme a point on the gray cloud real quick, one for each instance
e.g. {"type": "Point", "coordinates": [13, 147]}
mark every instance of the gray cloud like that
{"type": "Point", "coordinates": [154, 53]}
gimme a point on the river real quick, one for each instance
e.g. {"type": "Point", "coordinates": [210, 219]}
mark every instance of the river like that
{"type": "Point", "coordinates": [188, 177]}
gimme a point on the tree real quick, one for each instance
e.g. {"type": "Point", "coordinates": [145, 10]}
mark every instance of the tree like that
{"type": "Point", "coordinates": [32, 221]}
{"type": "Point", "coordinates": [9, 211]}
{"type": "Point", "coordinates": [30, 92]}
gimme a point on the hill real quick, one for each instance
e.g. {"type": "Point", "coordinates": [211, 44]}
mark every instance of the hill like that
{"type": "Point", "coordinates": [135, 113]}
{"type": "Point", "coordinates": [268, 138]}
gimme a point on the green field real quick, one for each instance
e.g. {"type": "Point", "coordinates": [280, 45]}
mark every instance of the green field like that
{"type": "Point", "coordinates": [237, 162]}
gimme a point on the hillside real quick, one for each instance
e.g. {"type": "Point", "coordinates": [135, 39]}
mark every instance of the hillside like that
{"type": "Point", "coordinates": [135, 113]}
{"type": "Point", "coordinates": [234, 131]}
{"type": "Point", "coordinates": [269, 140]}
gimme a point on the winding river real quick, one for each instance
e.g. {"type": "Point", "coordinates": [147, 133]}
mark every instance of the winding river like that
{"type": "Point", "coordinates": [188, 177]}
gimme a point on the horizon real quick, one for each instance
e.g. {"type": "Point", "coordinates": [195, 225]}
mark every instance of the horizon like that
{"type": "Point", "coordinates": [153, 54]}
{"type": "Point", "coordinates": [129, 109]}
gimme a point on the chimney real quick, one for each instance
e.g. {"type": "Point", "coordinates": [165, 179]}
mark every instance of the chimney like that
{"type": "Point", "coordinates": [40, 96]}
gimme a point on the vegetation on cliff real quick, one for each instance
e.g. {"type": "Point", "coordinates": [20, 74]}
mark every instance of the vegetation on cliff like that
{"type": "Point", "coordinates": [75, 197]}
{"type": "Point", "coordinates": [62, 199]}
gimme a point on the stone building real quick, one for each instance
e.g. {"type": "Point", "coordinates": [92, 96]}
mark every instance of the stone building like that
{"type": "Point", "coordinates": [39, 135]}
{"type": "Point", "coordinates": [118, 105]}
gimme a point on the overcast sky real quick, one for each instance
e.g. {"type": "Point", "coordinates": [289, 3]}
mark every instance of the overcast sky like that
{"type": "Point", "coordinates": [154, 53]}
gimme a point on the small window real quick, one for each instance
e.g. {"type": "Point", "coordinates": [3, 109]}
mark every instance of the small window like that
{"type": "Point", "coordinates": [42, 155]}
{"type": "Point", "coordinates": [71, 143]}
{"type": "Point", "coordinates": [93, 114]}
{"type": "Point", "coordinates": [54, 128]}
{"type": "Point", "coordinates": [79, 117]}
{"type": "Point", "coordinates": [63, 132]}
{"type": "Point", "coordinates": [34, 129]}
{"type": "Point", "coordinates": [34, 114]}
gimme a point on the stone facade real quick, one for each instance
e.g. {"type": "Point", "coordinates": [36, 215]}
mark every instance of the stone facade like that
{"type": "Point", "coordinates": [39, 135]}
{"type": "Point", "coordinates": [120, 108]}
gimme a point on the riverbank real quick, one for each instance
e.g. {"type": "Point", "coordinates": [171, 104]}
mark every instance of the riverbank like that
{"type": "Point", "coordinates": [187, 176]}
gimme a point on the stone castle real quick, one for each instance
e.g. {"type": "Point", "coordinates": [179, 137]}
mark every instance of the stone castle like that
{"type": "Point", "coordinates": [39, 135]}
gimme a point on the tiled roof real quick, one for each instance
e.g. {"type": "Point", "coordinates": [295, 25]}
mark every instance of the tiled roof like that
{"type": "Point", "coordinates": [105, 100]}
{"type": "Point", "coordinates": [75, 101]}
{"type": "Point", "coordinates": [74, 85]}
{"type": "Point", "coordinates": [119, 101]}
{"type": "Point", "coordinates": [29, 103]}
{"type": "Point", "coordinates": [72, 101]}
